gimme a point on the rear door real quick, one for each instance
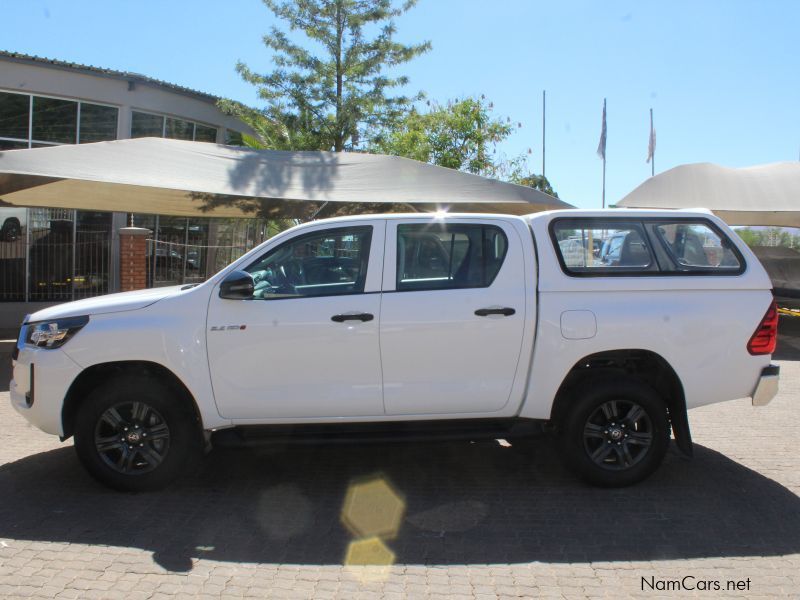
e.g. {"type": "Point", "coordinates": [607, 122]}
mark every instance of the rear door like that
{"type": "Point", "coordinates": [452, 315]}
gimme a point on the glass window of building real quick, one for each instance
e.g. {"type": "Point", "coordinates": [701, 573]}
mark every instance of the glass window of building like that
{"type": "Point", "coordinates": [178, 129]}
{"type": "Point", "coordinates": [149, 125]}
{"type": "Point", "coordinates": [233, 138]}
{"type": "Point", "coordinates": [205, 134]}
{"type": "Point", "coordinates": [146, 125]}
{"type": "Point", "coordinates": [55, 121]}
{"type": "Point", "coordinates": [14, 113]}
{"type": "Point", "coordinates": [12, 145]}
{"type": "Point", "coordinates": [98, 123]}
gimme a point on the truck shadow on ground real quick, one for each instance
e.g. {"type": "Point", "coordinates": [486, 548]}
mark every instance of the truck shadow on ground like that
{"type": "Point", "coordinates": [462, 503]}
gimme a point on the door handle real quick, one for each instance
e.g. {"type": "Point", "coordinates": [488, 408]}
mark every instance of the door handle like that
{"type": "Point", "coordinates": [363, 317]}
{"type": "Point", "coordinates": [485, 312]}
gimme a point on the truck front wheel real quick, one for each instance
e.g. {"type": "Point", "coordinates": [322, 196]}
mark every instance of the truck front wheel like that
{"type": "Point", "coordinates": [133, 434]}
{"type": "Point", "coordinates": [615, 433]}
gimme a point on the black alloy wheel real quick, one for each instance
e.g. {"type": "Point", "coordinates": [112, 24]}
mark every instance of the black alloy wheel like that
{"type": "Point", "coordinates": [614, 431]}
{"type": "Point", "coordinates": [136, 432]}
{"type": "Point", "coordinates": [618, 435]}
{"type": "Point", "coordinates": [132, 438]}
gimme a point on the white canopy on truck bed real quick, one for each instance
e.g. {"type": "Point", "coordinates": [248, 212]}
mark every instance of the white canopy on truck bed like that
{"type": "Point", "coordinates": [760, 195]}
{"type": "Point", "coordinates": [175, 177]}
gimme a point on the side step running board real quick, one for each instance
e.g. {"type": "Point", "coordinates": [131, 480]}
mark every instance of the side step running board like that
{"type": "Point", "coordinates": [380, 433]}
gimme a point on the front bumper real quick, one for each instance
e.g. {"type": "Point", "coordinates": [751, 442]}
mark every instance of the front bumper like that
{"type": "Point", "coordinates": [41, 400]}
{"type": "Point", "coordinates": [767, 386]}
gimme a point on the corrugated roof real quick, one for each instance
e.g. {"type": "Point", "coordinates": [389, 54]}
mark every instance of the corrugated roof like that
{"type": "Point", "coordinates": [103, 72]}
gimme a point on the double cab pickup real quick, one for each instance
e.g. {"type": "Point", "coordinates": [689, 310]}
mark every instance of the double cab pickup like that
{"type": "Point", "coordinates": [600, 327]}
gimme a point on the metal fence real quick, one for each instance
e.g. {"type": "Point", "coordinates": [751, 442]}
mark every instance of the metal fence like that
{"type": "Point", "coordinates": [54, 257]}
{"type": "Point", "coordinates": [171, 263]}
{"type": "Point", "coordinates": [58, 255]}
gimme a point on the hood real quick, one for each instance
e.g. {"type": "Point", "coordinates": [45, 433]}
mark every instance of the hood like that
{"type": "Point", "coordinates": [109, 303]}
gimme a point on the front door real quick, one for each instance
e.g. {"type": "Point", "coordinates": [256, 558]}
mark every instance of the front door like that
{"type": "Point", "coordinates": [306, 344]}
{"type": "Point", "coordinates": [452, 317]}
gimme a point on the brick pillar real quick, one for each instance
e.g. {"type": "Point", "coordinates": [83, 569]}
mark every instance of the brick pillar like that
{"type": "Point", "coordinates": [133, 258]}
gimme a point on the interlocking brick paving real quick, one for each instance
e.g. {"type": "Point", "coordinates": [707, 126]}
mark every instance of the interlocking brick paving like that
{"type": "Point", "coordinates": [479, 520]}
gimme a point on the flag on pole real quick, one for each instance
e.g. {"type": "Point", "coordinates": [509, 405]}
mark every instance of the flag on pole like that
{"type": "Point", "coordinates": [601, 147]}
{"type": "Point", "coordinates": [651, 146]}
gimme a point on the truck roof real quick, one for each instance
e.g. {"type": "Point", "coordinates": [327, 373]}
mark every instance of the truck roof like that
{"type": "Point", "coordinates": [609, 213]}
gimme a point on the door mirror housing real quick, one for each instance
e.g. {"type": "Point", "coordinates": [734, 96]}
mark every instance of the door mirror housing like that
{"type": "Point", "coordinates": [238, 285]}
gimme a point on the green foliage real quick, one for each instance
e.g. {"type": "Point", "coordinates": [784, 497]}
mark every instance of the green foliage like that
{"type": "Point", "coordinates": [772, 236]}
{"type": "Point", "coordinates": [333, 89]}
{"type": "Point", "coordinates": [461, 134]}
{"type": "Point", "coordinates": [286, 132]}
{"type": "Point", "coordinates": [537, 182]}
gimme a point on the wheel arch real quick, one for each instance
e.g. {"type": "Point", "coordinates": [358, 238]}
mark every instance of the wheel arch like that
{"type": "Point", "coordinates": [98, 374]}
{"type": "Point", "coordinates": [646, 366]}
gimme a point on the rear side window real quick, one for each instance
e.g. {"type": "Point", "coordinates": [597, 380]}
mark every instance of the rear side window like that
{"type": "Point", "coordinates": [592, 246]}
{"type": "Point", "coordinates": [448, 256]}
{"type": "Point", "coordinates": [646, 246]}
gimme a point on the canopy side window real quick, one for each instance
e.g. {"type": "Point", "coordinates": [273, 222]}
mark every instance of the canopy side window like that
{"type": "Point", "coordinates": [649, 246]}
{"type": "Point", "coordinates": [694, 247]}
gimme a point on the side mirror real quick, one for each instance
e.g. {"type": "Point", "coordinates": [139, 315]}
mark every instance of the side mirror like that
{"type": "Point", "coordinates": [238, 285]}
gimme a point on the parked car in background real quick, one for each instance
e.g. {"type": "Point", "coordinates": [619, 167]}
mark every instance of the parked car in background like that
{"type": "Point", "coordinates": [472, 325]}
{"type": "Point", "coordinates": [12, 220]}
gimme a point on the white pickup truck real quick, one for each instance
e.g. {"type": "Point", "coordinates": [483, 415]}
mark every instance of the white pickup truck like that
{"type": "Point", "coordinates": [603, 326]}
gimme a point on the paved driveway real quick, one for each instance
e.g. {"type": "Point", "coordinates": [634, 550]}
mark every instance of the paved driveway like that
{"type": "Point", "coordinates": [476, 520]}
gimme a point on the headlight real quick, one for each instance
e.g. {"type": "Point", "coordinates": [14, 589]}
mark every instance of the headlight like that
{"type": "Point", "coordinates": [55, 333]}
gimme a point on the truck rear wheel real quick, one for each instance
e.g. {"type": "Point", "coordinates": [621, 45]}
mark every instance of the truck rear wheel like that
{"type": "Point", "coordinates": [615, 433]}
{"type": "Point", "coordinates": [133, 434]}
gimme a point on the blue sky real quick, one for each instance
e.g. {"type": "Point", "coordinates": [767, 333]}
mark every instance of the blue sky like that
{"type": "Point", "coordinates": [723, 77]}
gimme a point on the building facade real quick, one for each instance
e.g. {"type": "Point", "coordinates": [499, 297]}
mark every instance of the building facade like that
{"type": "Point", "coordinates": [56, 255]}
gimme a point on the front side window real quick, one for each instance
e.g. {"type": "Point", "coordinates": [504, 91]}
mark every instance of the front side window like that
{"type": "Point", "coordinates": [323, 263]}
{"type": "Point", "coordinates": [447, 256]}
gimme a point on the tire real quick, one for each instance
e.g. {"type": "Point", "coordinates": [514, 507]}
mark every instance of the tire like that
{"type": "Point", "coordinates": [615, 433]}
{"type": "Point", "coordinates": [134, 433]}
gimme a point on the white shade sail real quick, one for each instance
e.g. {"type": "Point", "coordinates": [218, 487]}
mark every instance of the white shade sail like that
{"type": "Point", "coordinates": [760, 195]}
{"type": "Point", "coordinates": [175, 177]}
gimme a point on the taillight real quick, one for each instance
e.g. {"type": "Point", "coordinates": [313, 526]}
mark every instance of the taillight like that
{"type": "Point", "coordinates": [766, 334]}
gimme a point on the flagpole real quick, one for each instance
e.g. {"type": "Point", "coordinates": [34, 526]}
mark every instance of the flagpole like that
{"type": "Point", "coordinates": [653, 159]}
{"type": "Point", "coordinates": [601, 149]}
{"type": "Point", "coordinates": [544, 104]}
{"type": "Point", "coordinates": [604, 154]}
{"type": "Point", "coordinates": [604, 182]}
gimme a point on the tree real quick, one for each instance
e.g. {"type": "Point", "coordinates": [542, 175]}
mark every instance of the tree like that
{"type": "Point", "coordinates": [461, 134]}
{"type": "Point", "coordinates": [334, 90]}
{"type": "Point", "coordinates": [538, 182]}
{"type": "Point", "coordinates": [286, 132]}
